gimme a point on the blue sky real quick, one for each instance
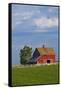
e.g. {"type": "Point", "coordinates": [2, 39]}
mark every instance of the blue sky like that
{"type": "Point", "coordinates": [33, 26]}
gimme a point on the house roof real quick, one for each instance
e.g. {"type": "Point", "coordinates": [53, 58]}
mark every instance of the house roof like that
{"type": "Point", "coordinates": [45, 51]}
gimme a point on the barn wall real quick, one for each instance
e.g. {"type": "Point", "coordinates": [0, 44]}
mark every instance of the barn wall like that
{"type": "Point", "coordinates": [44, 58]}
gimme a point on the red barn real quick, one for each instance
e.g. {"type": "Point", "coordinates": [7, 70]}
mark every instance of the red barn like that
{"type": "Point", "coordinates": [43, 55]}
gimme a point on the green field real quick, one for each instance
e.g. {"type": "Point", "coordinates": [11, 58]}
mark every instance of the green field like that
{"type": "Point", "coordinates": [32, 75]}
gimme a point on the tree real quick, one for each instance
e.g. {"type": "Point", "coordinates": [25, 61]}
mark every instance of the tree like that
{"type": "Point", "coordinates": [25, 54]}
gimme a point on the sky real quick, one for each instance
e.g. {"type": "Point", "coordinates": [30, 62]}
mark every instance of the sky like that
{"type": "Point", "coordinates": [33, 26]}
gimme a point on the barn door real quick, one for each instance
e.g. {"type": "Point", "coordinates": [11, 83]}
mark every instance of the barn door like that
{"type": "Point", "coordinates": [48, 61]}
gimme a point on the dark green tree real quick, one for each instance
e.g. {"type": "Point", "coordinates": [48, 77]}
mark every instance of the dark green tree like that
{"type": "Point", "coordinates": [25, 54]}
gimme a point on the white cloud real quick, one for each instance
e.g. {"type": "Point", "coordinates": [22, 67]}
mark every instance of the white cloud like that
{"type": "Point", "coordinates": [52, 9]}
{"type": "Point", "coordinates": [45, 22]}
{"type": "Point", "coordinates": [41, 30]}
{"type": "Point", "coordinates": [18, 22]}
{"type": "Point", "coordinates": [23, 15]}
{"type": "Point", "coordinates": [37, 30]}
{"type": "Point", "coordinates": [19, 18]}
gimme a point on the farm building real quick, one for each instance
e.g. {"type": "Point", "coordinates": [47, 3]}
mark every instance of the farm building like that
{"type": "Point", "coordinates": [43, 55]}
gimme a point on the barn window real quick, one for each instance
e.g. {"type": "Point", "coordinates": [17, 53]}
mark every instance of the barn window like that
{"type": "Point", "coordinates": [48, 61]}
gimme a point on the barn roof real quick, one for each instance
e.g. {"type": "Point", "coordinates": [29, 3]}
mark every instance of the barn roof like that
{"type": "Point", "coordinates": [45, 51]}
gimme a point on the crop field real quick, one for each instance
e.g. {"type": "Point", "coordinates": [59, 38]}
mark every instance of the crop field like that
{"type": "Point", "coordinates": [35, 75]}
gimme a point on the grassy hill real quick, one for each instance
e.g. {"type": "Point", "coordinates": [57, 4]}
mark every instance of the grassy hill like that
{"type": "Point", "coordinates": [34, 75]}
